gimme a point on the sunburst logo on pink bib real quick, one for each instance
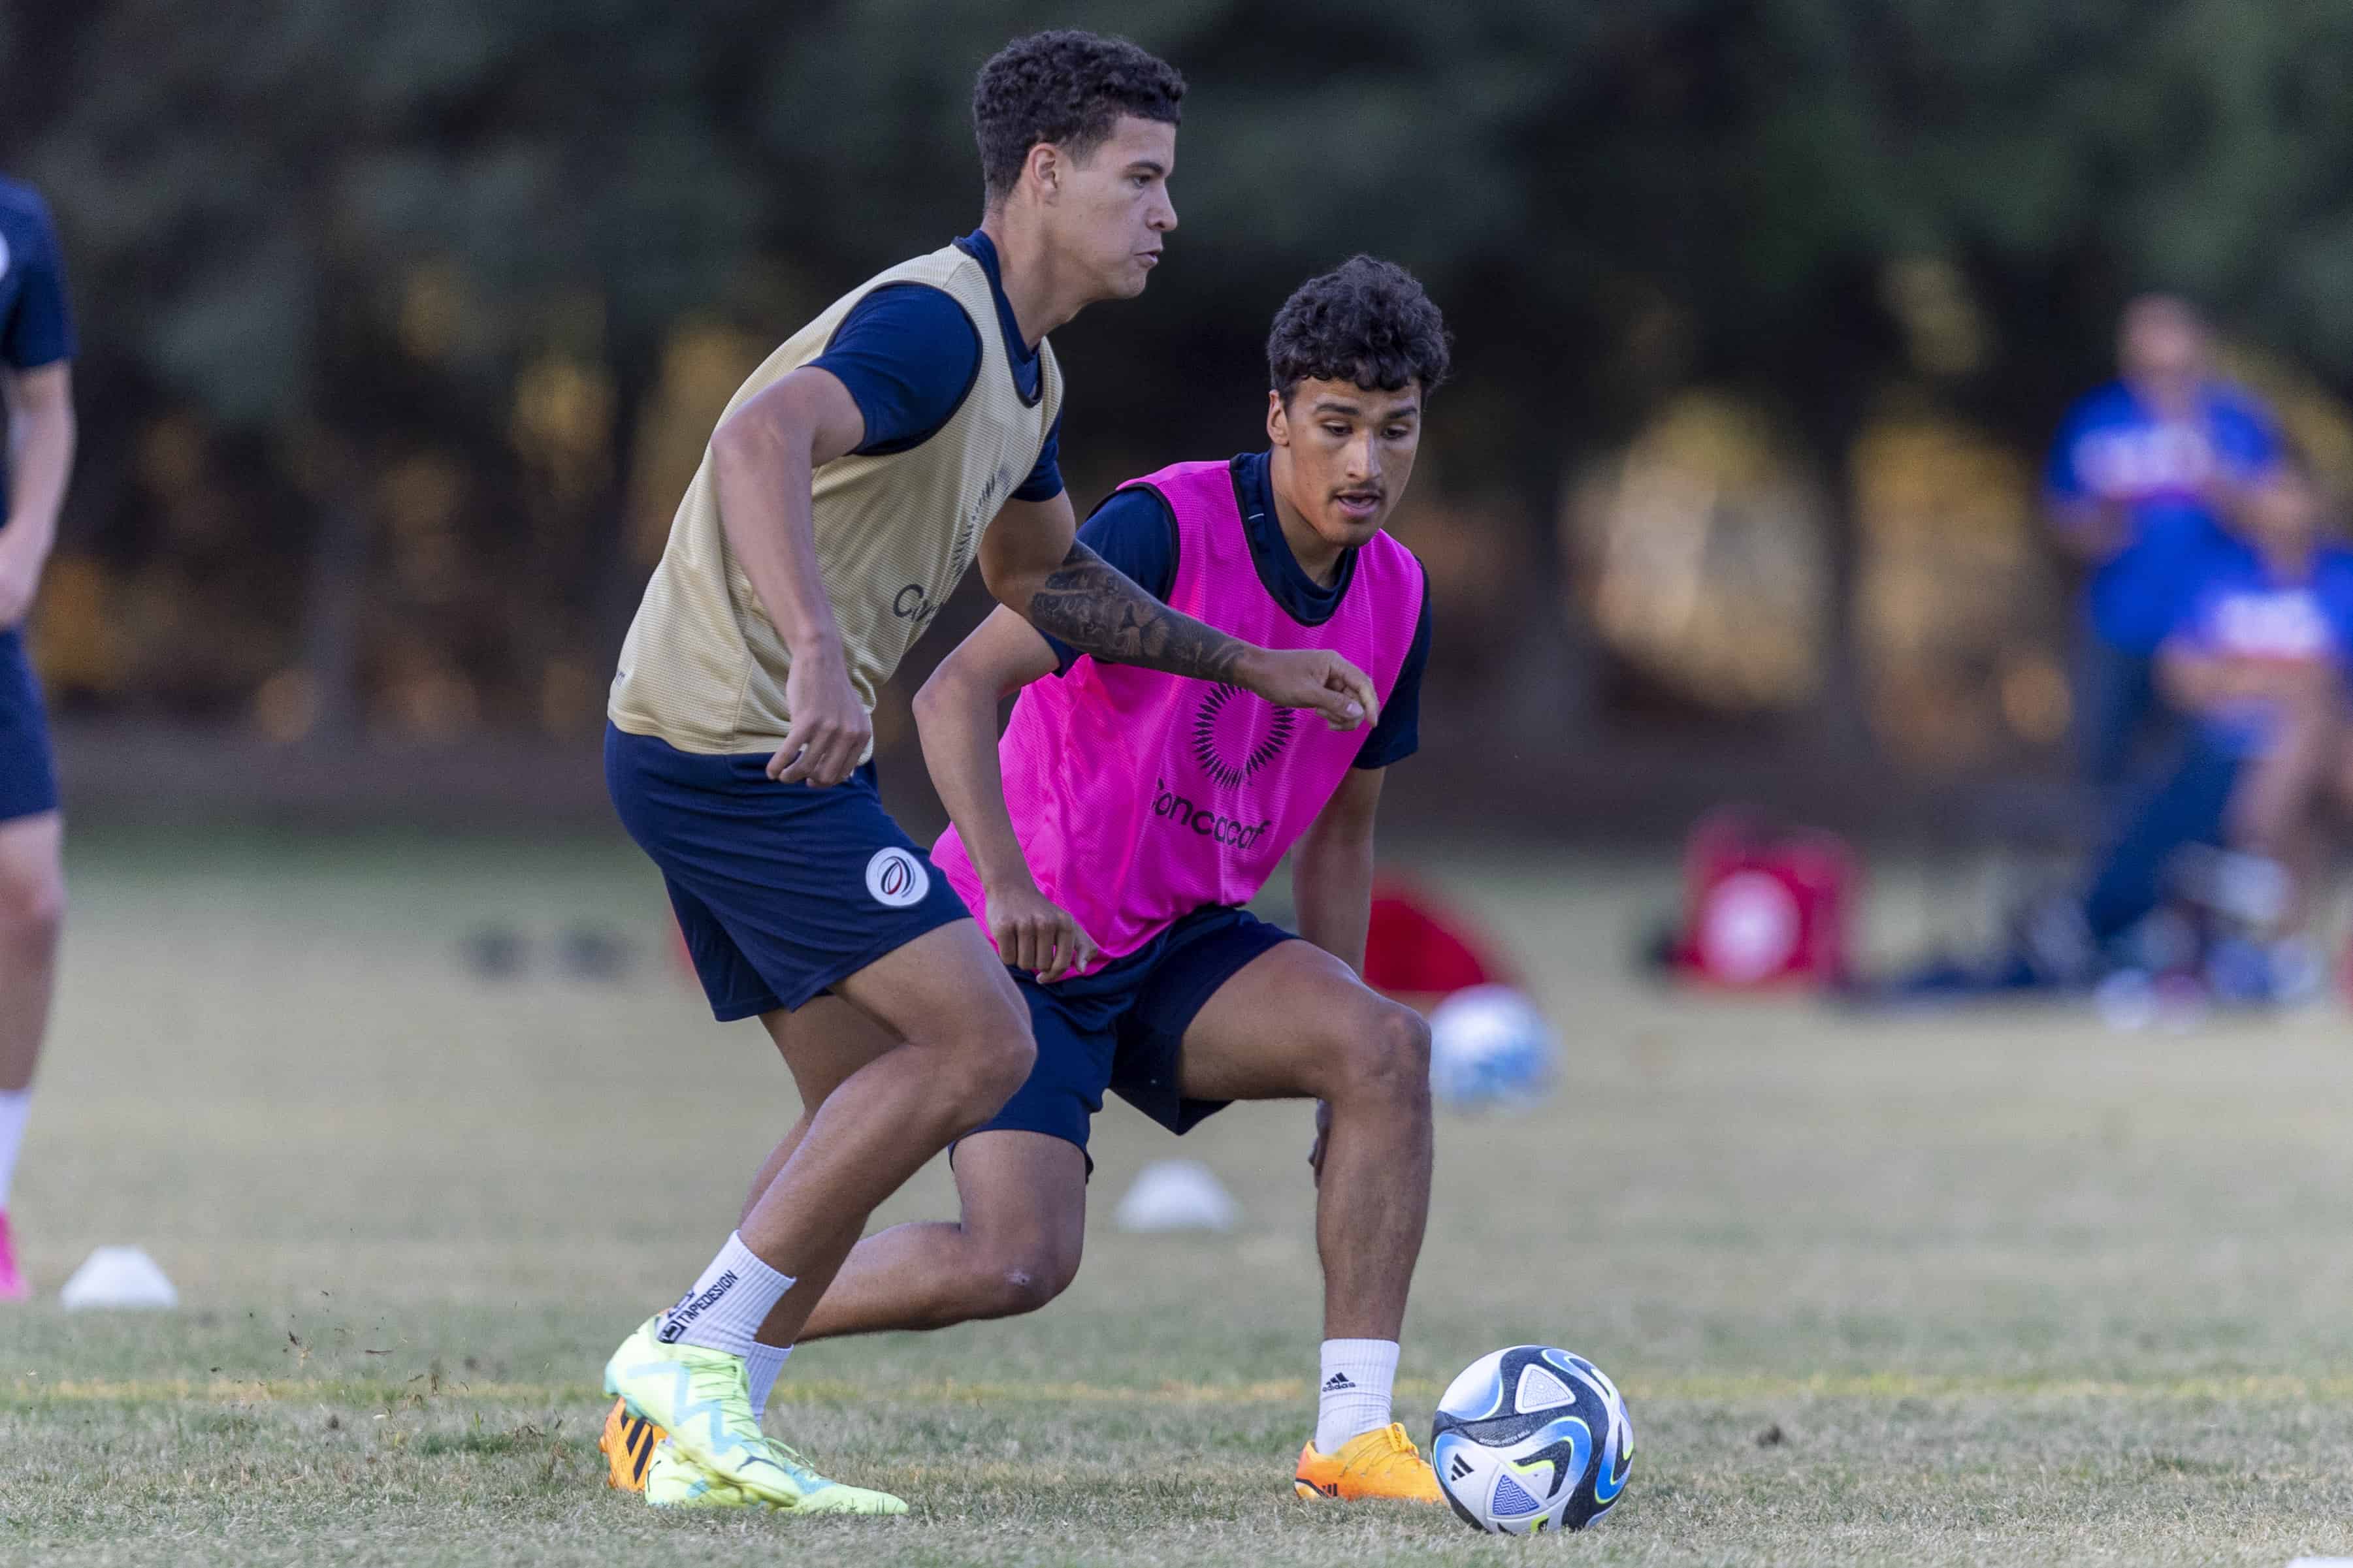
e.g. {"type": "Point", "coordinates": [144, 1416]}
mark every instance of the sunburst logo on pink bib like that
{"type": "Point", "coordinates": [1237, 732]}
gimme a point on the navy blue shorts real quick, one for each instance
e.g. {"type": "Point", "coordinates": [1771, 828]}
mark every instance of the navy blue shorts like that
{"type": "Point", "coordinates": [1122, 1027]}
{"type": "Point", "coordinates": [28, 774]}
{"type": "Point", "coordinates": [781, 889]}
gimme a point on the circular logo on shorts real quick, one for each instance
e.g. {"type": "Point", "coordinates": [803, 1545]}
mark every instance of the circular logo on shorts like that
{"type": "Point", "coordinates": [897, 878]}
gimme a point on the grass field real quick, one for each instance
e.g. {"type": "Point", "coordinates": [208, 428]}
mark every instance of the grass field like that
{"type": "Point", "coordinates": [2002, 1290]}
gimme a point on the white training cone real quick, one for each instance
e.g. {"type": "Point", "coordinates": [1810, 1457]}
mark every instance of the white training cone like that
{"type": "Point", "coordinates": [1177, 1194]}
{"type": "Point", "coordinates": [117, 1277]}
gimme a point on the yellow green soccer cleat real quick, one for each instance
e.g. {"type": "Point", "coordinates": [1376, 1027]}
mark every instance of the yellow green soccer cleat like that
{"type": "Point", "coordinates": [699, 1397]}
{"type": "Point", "coordinates": [822, 1496]}
{"type": "Point", "coordinates": [673, 1481]}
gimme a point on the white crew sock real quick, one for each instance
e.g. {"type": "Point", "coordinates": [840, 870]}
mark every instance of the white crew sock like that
{"type": "Point", "coordinates": [1359, 1375]}
{"type": "Point", "coordinates": [761, 1367]}
{"type": "Point", "coordinates": [15, 1104]}
{"type": "Point", "coordinates": [724, 1309]}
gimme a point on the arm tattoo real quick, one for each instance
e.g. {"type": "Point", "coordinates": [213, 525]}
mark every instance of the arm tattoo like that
{"type": "Point", "coordinates": [1089, 603]}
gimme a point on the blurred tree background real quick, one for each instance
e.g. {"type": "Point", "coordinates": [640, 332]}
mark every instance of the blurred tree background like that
{"type": "Point", "coordinates": [404, 321]}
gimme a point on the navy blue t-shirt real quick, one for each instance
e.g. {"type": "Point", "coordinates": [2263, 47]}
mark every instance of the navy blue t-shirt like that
{"type": "Point", "coordinates": [909, 355]}
{"type": "Point", "coordinates": [36, 327]}
{"type": "Point", "coordinates": [1135, 531]}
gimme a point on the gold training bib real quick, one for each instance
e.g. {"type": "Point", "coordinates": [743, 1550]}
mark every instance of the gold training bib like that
{"type": "Point", "coordinates": [703, 667]}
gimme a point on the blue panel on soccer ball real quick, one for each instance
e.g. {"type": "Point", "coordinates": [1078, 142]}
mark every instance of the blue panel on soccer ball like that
{"type": "Point", "coordinates": [1512, 1499]}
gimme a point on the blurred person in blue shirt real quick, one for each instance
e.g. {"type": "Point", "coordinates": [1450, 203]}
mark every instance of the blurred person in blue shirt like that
{"type": "Point", "coordinates": [2258, 659]}
{"type": "Point", "coordinates": [2142, 481]}
{"type": "Point", "coordinates": [2257, 662]}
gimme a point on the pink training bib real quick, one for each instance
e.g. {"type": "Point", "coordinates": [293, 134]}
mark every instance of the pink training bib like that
{"type": "Point", "coordinates": [1139, 797]}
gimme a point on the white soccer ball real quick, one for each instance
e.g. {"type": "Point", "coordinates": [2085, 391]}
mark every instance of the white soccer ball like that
{"type": "Point", "coordinates": [1530, 1438]}
{"type": "Point", "coordinates": [1489, 1045]}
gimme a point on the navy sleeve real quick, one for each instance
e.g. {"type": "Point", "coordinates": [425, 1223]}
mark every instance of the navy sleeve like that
{"type": "Point", "coordinates": [1045, 481]}
{"type": "Point", "coordinates": [908, 353]}
{"type": "Point", "coordinates": [1397, 735]}
{"type": "Point", "coordinates": [1135, 531]}
{"type": "Point", "coordinates": [39, 330]}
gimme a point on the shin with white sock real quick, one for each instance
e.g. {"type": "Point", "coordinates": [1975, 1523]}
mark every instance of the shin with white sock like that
{"type": "Point", "coordinates": [1356, 1388]}
{"type": "Point", "coordinates": [761, 1368]}
{"type": "Point", "coordinates": [727, 1305]}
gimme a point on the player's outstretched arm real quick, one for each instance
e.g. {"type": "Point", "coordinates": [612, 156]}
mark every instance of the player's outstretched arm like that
{"type": "Point", "coordinates": [955, 715]}
{"type": "Point", "coordinates": [762, 457]}
{"type": "Point", "coordinates": [1036, 567]}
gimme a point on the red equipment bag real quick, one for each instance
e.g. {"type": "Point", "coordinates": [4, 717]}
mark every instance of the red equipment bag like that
{"type": "Point", "coordinates": [1764, 907]}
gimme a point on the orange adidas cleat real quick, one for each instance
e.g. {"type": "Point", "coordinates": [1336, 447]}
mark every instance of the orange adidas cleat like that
{"type": "Point", "coordinates": [1382, 1463]}
{"type": "Point", "coordinates": [628, 1445]}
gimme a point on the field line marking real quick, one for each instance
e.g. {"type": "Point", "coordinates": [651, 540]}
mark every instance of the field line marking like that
{"type": "Point", "coordinates": [1734, 1388]}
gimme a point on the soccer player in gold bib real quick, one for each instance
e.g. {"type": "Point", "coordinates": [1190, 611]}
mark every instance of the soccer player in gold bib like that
{"type": "Point", "coordinates": [907, 432]}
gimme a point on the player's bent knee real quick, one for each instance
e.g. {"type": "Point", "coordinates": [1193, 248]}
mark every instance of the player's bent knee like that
{"type": "Point", "coordinates": [1028, 1283]}
{"type": "Point", "coordinates": [1004, 1065]}
{"type": "Point", "coordinates": [1387, 1056]}
{"type": "Point", "coordinates": [982, 1068]}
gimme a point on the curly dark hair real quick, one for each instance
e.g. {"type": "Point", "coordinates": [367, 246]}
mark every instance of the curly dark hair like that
{"type": "Point", "coordinates": [1367, 322]}
{"type": "Point", "coordinates": [1066, 88]}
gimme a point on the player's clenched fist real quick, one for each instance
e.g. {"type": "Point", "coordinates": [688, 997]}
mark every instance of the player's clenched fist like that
{"type": "Point", "coordinates": [1311, 677]}
{"type": "Point", "coordinates": [830, 725]}
{"type": "Point", "coordinates": [1033, 932]}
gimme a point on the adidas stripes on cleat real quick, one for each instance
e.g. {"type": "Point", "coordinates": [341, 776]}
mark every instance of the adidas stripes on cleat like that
{"type": "Point", "coordinates": [627, 1444]}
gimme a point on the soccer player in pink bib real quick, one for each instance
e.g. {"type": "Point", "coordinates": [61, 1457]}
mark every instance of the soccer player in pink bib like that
{"type": "Point", "coordinates": [1109, 842]}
